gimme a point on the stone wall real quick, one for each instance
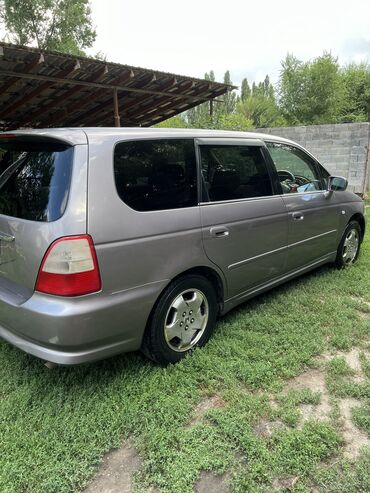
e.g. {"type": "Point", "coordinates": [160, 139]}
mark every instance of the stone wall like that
{"type": "Point", "coordinates": [343, 149]}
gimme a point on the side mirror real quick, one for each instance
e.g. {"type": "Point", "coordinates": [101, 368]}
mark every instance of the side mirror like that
{"type": "Point", "coordinates": [337, 184]}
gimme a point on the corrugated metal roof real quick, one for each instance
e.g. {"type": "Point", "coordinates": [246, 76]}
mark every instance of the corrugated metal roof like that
{"type": "Point", "coordinates": [48, 89]}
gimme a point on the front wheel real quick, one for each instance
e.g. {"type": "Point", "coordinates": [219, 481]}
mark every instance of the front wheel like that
{"type": "Point", "coordinates": [349, 246]}
{"type": "Point", "coordinates": [184, 318]}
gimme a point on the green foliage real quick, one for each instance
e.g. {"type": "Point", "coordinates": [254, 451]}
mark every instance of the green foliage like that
{"type": "Point", "coordinates": [297, 451]}
{"type": "Point", "coordinates": [260, 110]}
{"type": "Point", "coordinates": [289, 412]}
{"type": "Point", "coordinates": [177, 121]}
{"type": "Point", "coordinates": [235, 121]}
{"type": "Point", "coordinates": [62, 25]}
{"type": "Point", "coordinates": [245, 90]}
{"type": "Point", "coordinates": [356, 83]}
{"type": "Point", "coordinates": [311, 92]}
{"type": "Point", "coordinates": [338, 367]}
{"type": "Point", "coordinates": [255, 107]}
{"type": "Point", "coordinates": [343, 476]}
{"type": "Point", "coordinates": [361, 416]}
{"type": "Point", "coordinates": [229, 99]}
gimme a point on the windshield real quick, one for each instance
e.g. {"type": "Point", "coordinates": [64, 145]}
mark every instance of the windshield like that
{"type": "Point", "coordinates": [34, 179]}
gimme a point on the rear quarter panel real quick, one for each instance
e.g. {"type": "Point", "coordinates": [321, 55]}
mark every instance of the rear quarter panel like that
{"type": "Point", "coordinates": [33, 238]}
{"type": "Point", "coordinates": [137, 249]}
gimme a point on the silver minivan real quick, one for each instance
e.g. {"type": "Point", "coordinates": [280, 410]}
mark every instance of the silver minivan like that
{"type": "Point", "coordinates": [119, 239]}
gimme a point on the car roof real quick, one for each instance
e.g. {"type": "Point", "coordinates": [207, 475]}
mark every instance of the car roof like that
{"type": "Point", "coordinates": [80, 135]}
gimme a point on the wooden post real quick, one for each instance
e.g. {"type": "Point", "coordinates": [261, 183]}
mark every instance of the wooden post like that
{"type": "Point", "coordinates": [117, 120]}
{"type": "Point", "coordinates": [211, 108]}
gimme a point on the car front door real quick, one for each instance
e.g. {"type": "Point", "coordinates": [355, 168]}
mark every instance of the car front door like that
{"type": "Point", "coordinates": [313, 214]}
{"type": "Point", "coordinates": [244, 224]}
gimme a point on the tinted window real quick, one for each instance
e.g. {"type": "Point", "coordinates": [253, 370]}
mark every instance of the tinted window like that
{"type": "Point", "coordinates": [297, 171]}
{"type": "Point", "coordinates": [34, 180]}
{"type": "Point", "coordinates": [234, 172]}
{"type": "Point", "coordinates": [156, 174]}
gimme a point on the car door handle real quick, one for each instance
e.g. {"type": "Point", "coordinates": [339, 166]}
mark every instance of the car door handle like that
{"type": "Point", "coordinates": [219, 232]}
{"type": "Point", "coordinates": [298, 216]}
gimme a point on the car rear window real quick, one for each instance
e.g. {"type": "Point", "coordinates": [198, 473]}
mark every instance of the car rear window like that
{"type": "Point", "coordinates": [153, 175]}
{"type": "Point", "coordinates": [34, 179]}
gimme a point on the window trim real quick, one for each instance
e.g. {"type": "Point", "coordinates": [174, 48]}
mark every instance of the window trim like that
{"type": "Point", "coordinates": [236, 142]}
{"type": "Point", "coordinates": [147, 138]}
{"type": "Point", "coordinates": [315, 162]}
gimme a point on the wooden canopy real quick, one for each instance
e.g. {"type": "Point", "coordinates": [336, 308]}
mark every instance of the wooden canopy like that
{"type": "Point", "coordinates": [47, 89]}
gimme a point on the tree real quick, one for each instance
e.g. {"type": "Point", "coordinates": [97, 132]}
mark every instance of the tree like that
{"type": "Point", "coordinates": [311, 92]}
{"type": "Point", "coordinates": [245, 90]}
{"type": "Point", "coordinates": [60, 25]}
{"type": "Point", "coordinates": [229, 98]}
{"type": "Point", "coordinates": [177, 121]}
{"type": "Point", "coordinates": [199, 116]}
{"type": "Point", "coordinates": [234, 121]}
{"type": "Point", "coordinates": [356, 85]}
{"type": "Point", "coordinates": [258, 105]}
{"type": "Point", "coordinates": [261, 111]}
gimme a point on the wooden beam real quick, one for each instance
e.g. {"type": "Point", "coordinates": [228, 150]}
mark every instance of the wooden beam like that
{"type": "Point", "coordinates": [160, 101]}
{"type": "Point", "coordinates": [117, 121]}
{"type": "Point", "coordinates": [27, 68]}
{"type": "Point", "coordinates": [147, 100]}
{"type": "Point", "coordinates": [32, 117]}
{"type": "Point", "coordinates": [98, 112]}
{"type": "Point", "coordinates": [12, 107]}
{"type": "Point", "coordinates": [161, 115]}
{"type": "Point", "coordinates": [62, 80]}
{"type": "Point", "coordinates": [73, 107]}
{"type": "Point", "coordinates": [138, 101]}
{"type": "Point", "coordinates": [104, 106]}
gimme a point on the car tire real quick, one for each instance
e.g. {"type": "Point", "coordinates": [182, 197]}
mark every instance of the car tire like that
{"type": "Point", "coordinates": [349, 246]}
{"type": "Point", "coordinates": [183, 318]}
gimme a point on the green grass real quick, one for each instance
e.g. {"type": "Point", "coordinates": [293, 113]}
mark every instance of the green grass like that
{"type": "Point", "coordinates": [289, 411]}
{"type": "Point", "coordinates": [56, 425]}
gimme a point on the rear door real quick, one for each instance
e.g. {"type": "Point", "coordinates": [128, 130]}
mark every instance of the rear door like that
{"type": "Point", "coordinates": [313, 215]}
{"type": "Point", "coordinates": [244, 224]}
{"type": "Point", "coordinates": [42, 197]}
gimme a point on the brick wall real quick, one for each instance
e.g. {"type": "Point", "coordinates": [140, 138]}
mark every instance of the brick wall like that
{"type": "Point", "coordinates": [342, 148]}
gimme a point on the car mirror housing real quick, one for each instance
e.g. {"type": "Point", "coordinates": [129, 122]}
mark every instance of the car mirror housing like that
{"type": "Point", "coordinates": [337, 184]}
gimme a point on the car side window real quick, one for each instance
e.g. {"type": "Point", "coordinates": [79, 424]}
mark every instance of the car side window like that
{"type": "Point", "coordinates": [296, 170]}
{"type": "Point", "coordinates": [234, 172]}
{"type": "Point", "coordinates": [152, 175]}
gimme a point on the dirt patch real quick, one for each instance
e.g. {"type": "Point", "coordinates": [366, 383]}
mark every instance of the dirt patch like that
{"type": "Point", "coordinates": [361, 300]}
{"type": "Point", "coordinates": [284, 484]}
{"type": "Point", "coordinates": [266, 428]}
{"type": "Point", "coordinates": [314, 379]}
{"type": "Point", "coordinates": [116, 473]}
{"type": "Point", "coordinates": [354, 438]}
{"type": "Point", "coordinates": [352, 359]}
{"type": "Point", "coordinates": [209, 482]}
{"type": "Point", "coordinates": [363, 315]}
{"type": "Point", "coordinates": [212, 402]}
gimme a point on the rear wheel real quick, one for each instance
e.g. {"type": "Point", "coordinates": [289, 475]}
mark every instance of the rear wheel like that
{"type": "Point", "coordinates": [184, 318]}
{"type": "Point", "coordinates": [349, 246]}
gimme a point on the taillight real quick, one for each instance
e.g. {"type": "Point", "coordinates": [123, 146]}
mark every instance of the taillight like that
{"type": "Point", "coordinates": [69, 268]}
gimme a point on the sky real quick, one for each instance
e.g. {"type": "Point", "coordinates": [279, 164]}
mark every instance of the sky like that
{"type": "Point", "coordinates": [249, 38]}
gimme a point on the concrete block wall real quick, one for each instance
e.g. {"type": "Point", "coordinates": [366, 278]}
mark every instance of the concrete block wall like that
{"type": "Point", "coordinates": [343, 149]}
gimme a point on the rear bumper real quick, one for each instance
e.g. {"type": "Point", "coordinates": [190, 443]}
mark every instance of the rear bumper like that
{"type": "Point", "coordinates": [65, 357]}
{"type": "Point", "coordinates": [78, 330]}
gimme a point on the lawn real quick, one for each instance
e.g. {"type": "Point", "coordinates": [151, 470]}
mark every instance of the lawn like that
{"type": "Point", "coordinates": [266, 401]}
